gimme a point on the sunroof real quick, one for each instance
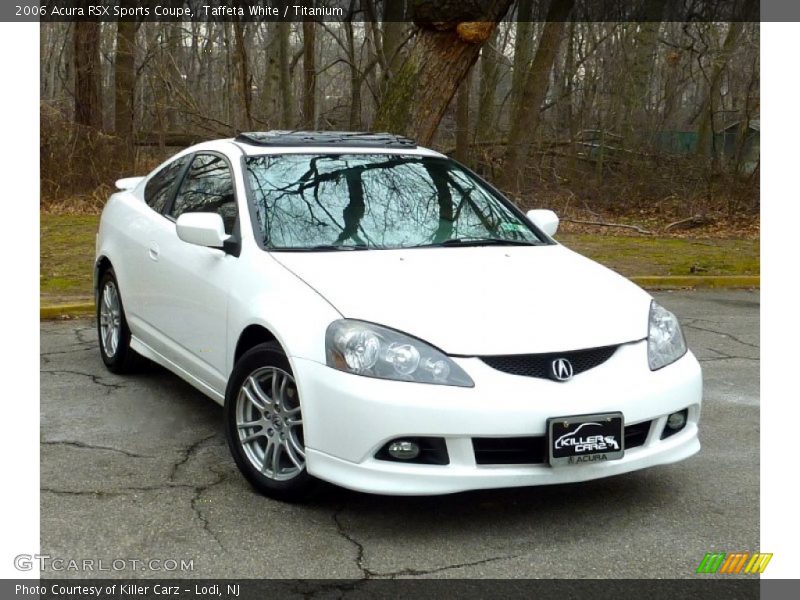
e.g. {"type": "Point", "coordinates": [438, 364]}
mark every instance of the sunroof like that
{"type": "Point", "coordinates": [325, 138]}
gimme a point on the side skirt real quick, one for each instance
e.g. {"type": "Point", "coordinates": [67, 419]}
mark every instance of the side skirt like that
{"type": "Point", "coordinates": [146, 351]}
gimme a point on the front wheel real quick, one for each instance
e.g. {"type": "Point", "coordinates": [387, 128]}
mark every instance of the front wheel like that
{"type": "Point", "coordinates": [113, 334]}
{"type": "Point", "coordinates": [264, 424]}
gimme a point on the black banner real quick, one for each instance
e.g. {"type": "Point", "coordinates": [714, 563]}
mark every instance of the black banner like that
{"type": "Point", "coordinates": [423, 12]}
{"type": "Point", "coordinates": [739, 588]}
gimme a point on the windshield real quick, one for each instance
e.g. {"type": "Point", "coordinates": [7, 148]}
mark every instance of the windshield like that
{"type": "Point", "coordinates": [366, 201]}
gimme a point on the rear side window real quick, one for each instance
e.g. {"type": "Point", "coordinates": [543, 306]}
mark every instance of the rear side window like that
{"type": "Point", "coordinates": [207, 187]}
{"type": "Point", "coordinates": [161, 185]}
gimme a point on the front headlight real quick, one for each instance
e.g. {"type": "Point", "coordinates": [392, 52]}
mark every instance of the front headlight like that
{"type": "Point", "coordinates": [665, 343]}
{"type": "Point", "coordinates": [375, 351]}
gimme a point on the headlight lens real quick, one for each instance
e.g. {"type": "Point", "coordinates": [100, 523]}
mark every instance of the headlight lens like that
{"type": "Point", "coordinates": [665, 343]}
{"type": "Point", "coordinates": [368, 349]}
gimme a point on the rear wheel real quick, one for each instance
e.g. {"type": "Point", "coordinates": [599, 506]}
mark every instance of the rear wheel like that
{"type": "Point", "coordinates": [264, 424]}
{"type": "Point", "coordinates": [113, 334]}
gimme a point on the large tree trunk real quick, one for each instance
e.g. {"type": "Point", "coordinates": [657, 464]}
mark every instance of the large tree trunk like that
{"type": "Point", "coordinates": [523, 48]}
{"type": "Point", "coordinates": [355, 77]}
{"type": "Point", "coordinates": [88, 103]}
{"type": "Point", "coordinates": [124, 78]}
{"type": "Point", "coordinates": [525, 113]}
{"type": "Point", "coordinates": [705, 132]}
{"type": "Point", "coordinates": [170, 63]}
{"type": "Point", "coordinates": [393, 28]}
{"type": "Point", "coordinates": [488, 86]}
{"type": "Point", "coordinates": [244, 80]}
{"type": "Point", "coordinates": [462, 121]}
{"type": "Point", "coordinates": [309, 74]}
{"type": "Point", "coordinates": [442, 55]}
{"type": "Point", "coordinates": [287, 97]}
{"type": "Point", "coordinates": [270, 99]}
{"type": "Point", "coordinates": [125, 86]}
{"type": "Point", "coordinates": [638, 111]}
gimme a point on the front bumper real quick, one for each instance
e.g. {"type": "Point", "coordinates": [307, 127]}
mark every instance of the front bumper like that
{"type": "Point", "coordinates": [347, 418]}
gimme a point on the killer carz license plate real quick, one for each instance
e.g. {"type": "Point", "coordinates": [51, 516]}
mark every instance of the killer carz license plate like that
{"type": "Point", "coordinates": [583, 439]}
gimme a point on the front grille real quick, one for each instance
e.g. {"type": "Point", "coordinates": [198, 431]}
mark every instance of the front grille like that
{"type": "Point", "coordinates": [538, 365]}
{"type": "Point", "coordinates": [510, 451]}
{"type": "Point", "coordinates": [532, 450]}
{"type": "Point", "coordinates": [636, 435]}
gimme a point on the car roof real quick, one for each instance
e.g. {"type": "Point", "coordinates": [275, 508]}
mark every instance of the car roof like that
{"type": "Point", "coordinates": [317, 142]}
{"type": "Point", "coordinates": [326, 138]}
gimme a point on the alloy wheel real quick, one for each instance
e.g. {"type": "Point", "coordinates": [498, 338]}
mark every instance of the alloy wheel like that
{"type": "Point", "coordinates": [110, 319]}
{"type": "Point", "coordinates": [270, 425]}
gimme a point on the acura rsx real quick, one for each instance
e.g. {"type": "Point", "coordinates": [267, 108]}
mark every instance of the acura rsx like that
{"type": "Point", "coordinates": [373, 314]}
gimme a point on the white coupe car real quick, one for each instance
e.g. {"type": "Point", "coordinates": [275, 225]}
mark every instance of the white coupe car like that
{"type": "Point", "coordinates": [373, 314]}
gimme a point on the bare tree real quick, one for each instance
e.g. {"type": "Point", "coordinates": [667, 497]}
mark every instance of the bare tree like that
{"type": "Point", "coordinates": [525, 114]}
{"type": "Point", "coordinates": [490, 75]}
{"type": "Point", "coordinates": [244, 80]}
{"type": "Point", "coordinates": [443, 52]}
{"type": "Point", "coordinates": [394, 13]}
{"type": "Point", "coordinates": [462, 121]}
{"type": "Point", "coordinates": [125, 86]}
{"type": "Point", "coordinates": [708, 108]}
{"type": "Point", "coordinates": [309, 73]}
{"type": "Point", "coordinates": [88, 106]}
{"type": "Point", "coordinates": [287, 95]}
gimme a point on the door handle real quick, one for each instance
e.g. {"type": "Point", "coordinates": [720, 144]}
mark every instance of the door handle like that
{"type": "Point", "coordinates": [153, 252]}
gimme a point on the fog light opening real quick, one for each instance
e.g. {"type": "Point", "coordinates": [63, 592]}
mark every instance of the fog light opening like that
{"type": "Point", "coordinates": [403, 450]}
{"type": "Point", "coordinates": [675, 423]}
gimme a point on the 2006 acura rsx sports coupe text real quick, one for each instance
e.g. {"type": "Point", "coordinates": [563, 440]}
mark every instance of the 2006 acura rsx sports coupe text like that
{"type": "Point", "coordinates": [373, 314]}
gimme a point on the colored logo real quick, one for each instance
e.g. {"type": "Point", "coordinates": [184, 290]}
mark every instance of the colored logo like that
{"type": "Point", "coordinates": [734, 563]}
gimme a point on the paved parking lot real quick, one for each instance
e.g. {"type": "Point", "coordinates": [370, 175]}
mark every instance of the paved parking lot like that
{"type": "Point", "coordinates": [137, 468]}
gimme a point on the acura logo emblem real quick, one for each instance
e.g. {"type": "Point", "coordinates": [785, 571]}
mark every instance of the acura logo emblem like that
{"type": "Point", "coordinates": [561, 369]}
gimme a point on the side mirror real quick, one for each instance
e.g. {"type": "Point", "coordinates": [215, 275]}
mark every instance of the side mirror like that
{"type": "Point", "coordinates": [546, 220]}
{"type": "Point", "coordinates": [202, 229]}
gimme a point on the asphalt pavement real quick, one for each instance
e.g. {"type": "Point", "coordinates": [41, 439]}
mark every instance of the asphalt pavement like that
{"type": "Point", "coordinates": [136, 468]}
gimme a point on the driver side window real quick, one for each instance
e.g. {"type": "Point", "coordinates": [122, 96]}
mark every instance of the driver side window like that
{"type": "Point", "coordinates": [158, 190]}
{"type": "Point", "coordinates": [207, 187]}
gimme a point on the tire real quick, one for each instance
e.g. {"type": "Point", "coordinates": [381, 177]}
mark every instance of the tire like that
{"type": "Point", "coordinates": [113, 334]}
{"type": "Point", "coordinates": [270, 451]}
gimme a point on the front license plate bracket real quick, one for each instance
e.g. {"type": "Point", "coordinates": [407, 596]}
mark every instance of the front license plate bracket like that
{"type": "Point", "coordinates": [584, 439]}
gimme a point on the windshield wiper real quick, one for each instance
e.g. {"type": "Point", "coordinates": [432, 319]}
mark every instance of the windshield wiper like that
{"type": "Point", "coordinates": [319, 248]}
{"type": "Point", "coordinates": [478, 242]}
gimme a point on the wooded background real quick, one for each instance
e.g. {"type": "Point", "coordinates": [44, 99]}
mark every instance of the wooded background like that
{"type": "Point", "coordinates": [604, 117]}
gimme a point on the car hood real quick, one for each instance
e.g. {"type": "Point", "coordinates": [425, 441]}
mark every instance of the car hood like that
{"type": "Point", "coordinates": [475, 301]}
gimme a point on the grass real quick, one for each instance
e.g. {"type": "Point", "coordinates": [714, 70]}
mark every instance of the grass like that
{"type": "Point", "coordinates": [650, 255]}
{"type": "Point", "coordinates": [67, 256]}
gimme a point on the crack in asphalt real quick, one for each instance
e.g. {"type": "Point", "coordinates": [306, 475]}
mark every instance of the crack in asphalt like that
{"type": "Point", "coordinates": [95, 493]}
{"type": "Point", "coordinates": [725, 356]}
{"type": "Point", "coordinates": [124, 491]}
{"type": "Point", "coordinates": [365, 572]}
{"type": "Point", "coordinates": [690, 323]}
{"type": "Point", "coordinates": [96, 379]}
{"type": "Point", "coordinates": [368, 573]}
{"type": "Point", "coordinates": [84, 445]}
{"type": "Point", "coordinates": [187, 455]}
{"type": "Point", "coordinates": [198, 492]}
{"type": "Point", "coordinates": [719, 358]}
{"type": "Point", "coordinates": [78, 330]}
{"type": "Point", "coordinates": [67, 351]}
{"type": "Point", "coordinates": [421, 572]}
